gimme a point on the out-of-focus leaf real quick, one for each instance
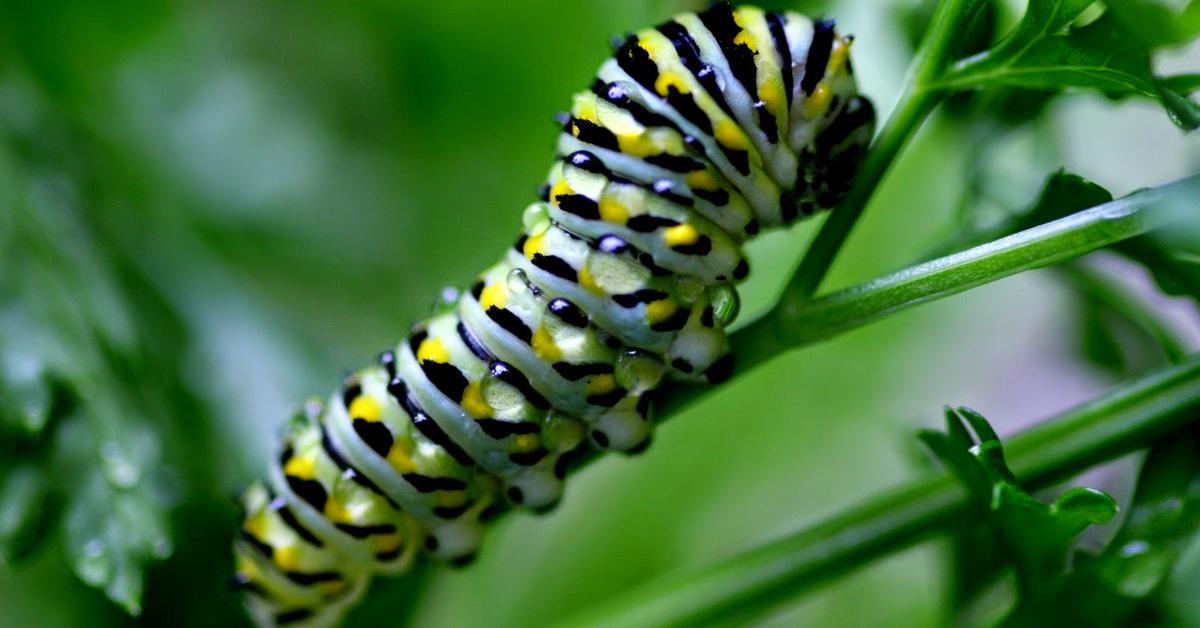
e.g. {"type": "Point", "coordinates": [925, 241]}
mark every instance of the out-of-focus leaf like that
{"type": "Point", "coordinates": [1182, 83]}
{"type": "Point", "coordinates": [114, 522]}
{"type": "Point", "coordinates": [25, 393]}
{"type": "Point", "coordinates": [1122, 583]}
{"type": "Point", "coordinates": [1157, 23]}
{"type": "Point", "coordinates": [1101, 56]}
{"type": "Point", "coordinates": [1062, 195]}
{"type": "Point", "coordinates": [25, 511]}
{"type": "Point", "coordinates": [1098, 337]}
{"type": "Point", "coordinates": [1172, 257]}
{"type": "Point", "coordinates": [1118, 332]}
{"type": "Point", "coordinates": [1036, 537]}
{"type": "Point", "coordinates": [96, 460]}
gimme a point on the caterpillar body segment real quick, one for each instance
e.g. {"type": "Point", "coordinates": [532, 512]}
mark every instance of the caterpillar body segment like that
{"type": "Point", "coordinates": [695, 136]}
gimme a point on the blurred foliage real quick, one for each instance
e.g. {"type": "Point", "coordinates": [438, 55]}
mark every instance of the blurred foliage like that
{"type": "Point", "coordinates": [208, 209]}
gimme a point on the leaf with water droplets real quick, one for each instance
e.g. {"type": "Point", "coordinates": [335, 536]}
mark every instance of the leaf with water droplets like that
{"type": "Point", "coordinates": [1125, 580]}
{"type": "Point", "coordinates": [114, 522]}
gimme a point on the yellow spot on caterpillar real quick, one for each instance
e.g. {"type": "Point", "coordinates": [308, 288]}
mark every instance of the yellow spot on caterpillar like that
{"type": "Point", "coordinates": [400, 457]}
{"type": "Point", "coordinates": [816, 104]}
{"type": "Point", "coordinates": [744, 37]}
{"type": "Point", "coordinates": [386, 542]}
{"type": "Point", "coordinates": [588, 281]}
{"type": "Point", "coordinates": [432, 349]}
{"type": "Point", "coordinates": [257, 525]}
{"type": "Point", "coordinates": [364, 407]}
{"type": "Point", "coordinates": [666, 81]}
{"type": "Point", "coordinates": [659, 311]}
{"type": "Point", "coordinates": [247, 568]}
{"type": "Point", "coordinates": [303, 467]}
{"type": "Point", "coordinates": [544, 346]}
{"type": "Point", "coordinates": [534, 245]}
{"type": "Point", "coordinates": [560, 188]}
{"type": "Point", "coordinates": [702, 180]}
{"type": "Point", "coordinates": [613, 211]}
{"type": "Point", "coordinates": [336, 511]}
{"type": "Point", "coordinates": [451, 499]}
{"type": "Point", "coordinates": [680, 235]}
{"type": "Point", "coordinates": [837, 58]}
{"type": "Point", "coordinates": [586, 109]}
{"type": "Point", "coordinates": [329, 587]}
{"type": "Point", "coordinates": [287, 557]}
{"type": "Point", "coordinates": [637, 144]}
{"type": "Point", "coordinates": [647, 44]}
{"type": "Point", "coordinates": [493, 295]}
{"type": "Point", "coordinates": [600, 384]}
{"type": "Point", "coordinates": [771, 93]}
{"type": "Point", "coordinates": [473, 402]}
{"type": "Point", "coordinates": [526, 442]}
{"type": "Point", "coordinates": [730, 135]}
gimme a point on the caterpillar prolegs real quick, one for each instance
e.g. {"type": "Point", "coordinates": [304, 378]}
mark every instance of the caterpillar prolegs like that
{"type": "Point", "coordinates": [694, 136]}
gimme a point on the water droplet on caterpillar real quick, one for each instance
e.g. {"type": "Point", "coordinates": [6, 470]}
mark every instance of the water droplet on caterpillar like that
{"type": "Point", "coordinates": [536, 219]}
{"type": "Point", "coordinates": [518, 282]}
{"type": "Point", "coordinates": [725, 304]}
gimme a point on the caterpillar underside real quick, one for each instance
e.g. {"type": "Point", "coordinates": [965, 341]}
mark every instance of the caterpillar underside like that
{"type": "Point", "coordinates": [695, 136]}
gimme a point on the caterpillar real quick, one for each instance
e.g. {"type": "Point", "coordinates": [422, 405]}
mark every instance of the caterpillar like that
{"type": "Point", "coordinates": [693, 137]}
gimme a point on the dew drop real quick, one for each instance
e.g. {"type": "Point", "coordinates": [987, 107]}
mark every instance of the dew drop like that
{"type": "Point", "coordinates": [518, 281]}
{"type": "Point", "coordinates": [94, 565]}
{"type": "Point", "coordinates": [725, 304]}
{"type": "Point", "coordinates": [118, 466]}
{"type": "Point", "coordinates": [536, 219]}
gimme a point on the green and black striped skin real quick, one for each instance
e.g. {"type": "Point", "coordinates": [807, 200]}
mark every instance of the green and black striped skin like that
{"type": "Point", "coordinates": [693, 137]}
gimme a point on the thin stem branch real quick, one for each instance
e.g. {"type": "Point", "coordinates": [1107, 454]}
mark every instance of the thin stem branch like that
{"type": "Point", "coordinates": [1122, 421]}
{"type": "Point", "coordinates": [828, 316]}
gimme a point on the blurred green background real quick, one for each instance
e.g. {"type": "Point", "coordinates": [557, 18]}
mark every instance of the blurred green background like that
{"type": "Point", "coordinates": [209, 211]}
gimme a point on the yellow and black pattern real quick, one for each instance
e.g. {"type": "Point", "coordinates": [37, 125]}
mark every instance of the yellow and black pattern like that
{"type": "Point", "coordinates": [694, 136]}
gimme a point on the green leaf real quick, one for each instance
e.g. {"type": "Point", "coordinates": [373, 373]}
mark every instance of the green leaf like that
{"type": "Point", "coordinates": [115, 517]}
{"type": "Point", "coordinates": [25, 511]}
{"type": "Point", "coordinates": [1063, 194]}
{"type": "Point", "coordinates": [1099, 336]}
{"type": "Point", "coordinates": [1163, 518]}
{"type": "Point", "coordinates": [1182, 83]}
{"type": "Point", "coordinates": [1119, 330]}
{"type": "Point", "coordinates": [1158, 23]}
{"type": "Point", "coordinates": [1124, 582]}
{"type": "Point", "coordinates": [25, 394]}
{"type": "Point", "coordinates": [1037, 537]}
{"type": "Point", "coordinates": [1172, 256]}
{"type": "Point", "coordinates": [1100, 56]}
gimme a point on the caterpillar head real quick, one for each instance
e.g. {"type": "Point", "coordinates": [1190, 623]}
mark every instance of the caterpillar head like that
{"type": "Point", "coordinates": [830, 124]}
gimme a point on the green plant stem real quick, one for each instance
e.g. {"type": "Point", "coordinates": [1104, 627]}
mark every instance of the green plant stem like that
{"type": "Point", "coordinates": [916, 102]}
{"type": "Point", "coordinates": [1124, 420]}
{"type": "Point", "coordinates": [825, 317]}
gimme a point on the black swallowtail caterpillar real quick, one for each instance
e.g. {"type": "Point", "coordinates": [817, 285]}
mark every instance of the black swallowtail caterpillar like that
{"type": "Point", "coordinates": [693, 137]}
